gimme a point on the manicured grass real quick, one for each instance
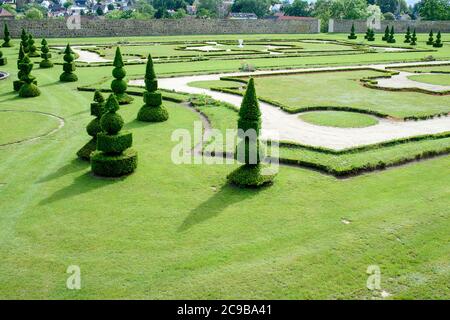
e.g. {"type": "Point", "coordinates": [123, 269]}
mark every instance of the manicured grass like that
{"type": "Point", "coordinates": [179, 231]}
{"type": "Point", "coordinates": [338, 119]}
{"type": "Point", "coordinates": [438, 79]}
{"type": "Point", "coordinates": [17, 126]}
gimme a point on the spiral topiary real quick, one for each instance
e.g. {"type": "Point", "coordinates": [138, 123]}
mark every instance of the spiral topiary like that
{"type": "Point", "coordinates": [3, 59]}
{"type": "Point", "coordinates": [28, 88]}
{"type": "Point", "coordinates": [93, 128]}
{"type": "Point", "coordinates": [391, 38]}
{"type": "Point", "coordinates": [32, 50]}
{"type": "Point", "coordinates": [114, 156]}
{"type": "Point", "coordinates": [430, 38]}
{"type": "Point", "coordinates": [18, 83]}
{"type": "Point", "coordinates": [370, 35]}
{"type": "Point", "coordinates": [249, 151]}
{"type": "Point", "coordinates": [438, 42]}
{"type": "Point", "coordinates": [152, 110]}
{"type": "Point", "coordinates": [68, 66]}
{"type": "Point", "coordinates": [407, 35]}
{"type": "Point", "coordinates": [118, 85]}
{"type": "Point", "coordinates": [413, 38]}
{"type": "Point", "coordinates": [24, 40]}
{"type": "Point", "coordinates": [352, 35]}
{"type": "Point", "coordinates": [46, 55]}
{"type": "Point", "coordinates": [6, 37]}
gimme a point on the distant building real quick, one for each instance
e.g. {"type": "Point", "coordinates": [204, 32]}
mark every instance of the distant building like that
{"type": "Point", "coordinates": [242, 16]}
{"type": "Point", "coordinates": [5, 14]}
{"type": "Point", "coordinates": [191, 10]}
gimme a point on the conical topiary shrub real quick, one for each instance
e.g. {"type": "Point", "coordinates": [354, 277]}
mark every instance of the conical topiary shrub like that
{"type": "Point", "coordinates": [6, 37]}
{"type": "Point", "coordinates": [46, 55]}
{"type": "Point", "coordinates": [28, 88]}
{"type": "Point", "coordinates": [249, 150]}
{"type": "Point", "coordinates": [370, 35]}
{"type": "Point", "coordinates": [391, 36]}
{"type": "Point", "coordinates": [386, 34]}
{"type": "Point", "coordinates": [3, 59]}
{"type": "Point", "coordinates": [152, 110]}
{"type": "Point", "coordinates": [413, 38]}
{"type": "Point", "coordinates": [352, 35]}
{"type": "Point", "coordinates": [114, 156]}
{"type": "Point", "coordinates": [24, 40]}
{"type": "Point", "coordinates": [32, 50]}
{"type": "Point", "coordinates": [18, 83]}
{"type": "Point", "coordinates": [430, 38]}
{"type": "Point", "coordinates": [68, 66]}
{"type": "Point", "coordinates": [438, 42]}
{"type": "Point", "coordinates": [407, 36]}
{"type": "Point", "coordinates": [93, 128]}
{"type": "Point", "coordinates": [118, 85]}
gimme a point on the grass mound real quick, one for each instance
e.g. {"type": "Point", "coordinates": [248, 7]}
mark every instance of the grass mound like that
{"type": "Point", "coordinates": [338, 119]}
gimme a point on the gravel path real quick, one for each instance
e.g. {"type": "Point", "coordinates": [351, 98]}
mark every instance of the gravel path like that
{"type": "Point", "coordinates": [280, 125]}
{"type": "Point", "coordinates": [401, 81]}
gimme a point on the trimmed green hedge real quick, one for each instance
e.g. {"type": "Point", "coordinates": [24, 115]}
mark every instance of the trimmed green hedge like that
{"type": "Point", "coordinates": [114, 143]}
{"type": "Point", "coordinates": [114, 165]}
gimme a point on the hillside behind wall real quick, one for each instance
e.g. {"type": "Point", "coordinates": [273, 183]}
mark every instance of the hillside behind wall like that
{"type": "Point", "coordinates": [344, 26]}
{"type": "Point", "coordinates": [58, 28]}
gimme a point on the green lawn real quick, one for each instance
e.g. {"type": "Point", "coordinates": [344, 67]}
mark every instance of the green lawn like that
{"type": "Point", "coordinates": [180, 232]}
{"type": "Point", "coordinates": [338, 119]}
{"type": "Point", "coordinates": [438, 79]}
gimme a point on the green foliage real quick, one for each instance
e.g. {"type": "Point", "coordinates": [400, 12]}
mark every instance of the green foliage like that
{"type": "Point", "coordinates": [32, 50]}
{"type": "Point", "coordinates": [434, 10]}
{"type": "Point", "coordinates": [45, 55]}
{"type": "Point", "coordinates": [407, 36]}
{"type": "Point", "coordinates": [114, 166]}
{"type": "Point", "coordinates": [413, 38]}
{"type": "Point", "coordinates": [352, 35]}
{"type": "Point", "coordinates": [114, 144]}
{"type": "Point", "coordinates": [3, 59]}
{"type": "Point", "coordinates": [386, 34]}
{"type": "Point", "coordinates": [24, 40]}
{"type": "Point", "coordinates": [152, 110]}
{"type": "Point", "coordinates": [430, 38]}
{"type": "Point", "coordinates": [391, 36]}
{"type": "Point", "coordinates": [249, 113]}
{"type": "Point", "coordinates": [6, 37]}
{"type": "Point", "coordinates": [118, 85]}
{"type": "Point", "coordinates": [28, 88]}
{"type": "Point", "coordinates": [370, 35]}
{"type": "Point", "coordinates": [250, 176]}
{"type": "Point", "coordinates": [68, 74]}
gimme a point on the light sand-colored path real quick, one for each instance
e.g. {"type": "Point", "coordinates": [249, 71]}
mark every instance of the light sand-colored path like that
{"type": "Point", "coordinates": [86, 56]}
{"type": "Point", "coordinates": [401, 81]}
{"type": "Point", "coordinates": [280, 125]}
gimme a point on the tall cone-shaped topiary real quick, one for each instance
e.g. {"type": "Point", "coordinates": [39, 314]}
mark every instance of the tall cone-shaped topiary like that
{"type": "Point", "coordinates": [118, 85]}
{"type": "Point", "coordinates": [249, 150]}
{"type": "Point", "coordinates": [93, 128]}
{"type": "Point", "coordinates": [391, 36]}
{"type": "Point", "coordinates": [370, 35]}
{"type": "Point", "coordinates": [413, 38]}
{"type": "Point", "coordinates": [18, 83]}
{"type": "Point", "coordinates": [114, 156]}
{"type": "Point", "coordinates": [386, 34]}
{"type": "Point", "coordinates": [32, 50]}
{"type": "Point", "coordinates": [152, 110]}
{"type": "Point", "coordinates": [24, 40]}
{"type": "Point", "coordinates": [6, 37]}
{"type": "Point", "coordinates": [438, 42]}
{"type": "Point", "coordinates": [430, 38]}
{"type": "Point", "coordinates": [68, 66]}
{"type": "Point", "coordinates": [45, 55]}
{"type": "Point", "coordinates": [3, 59]}
{"type": "Point", "coordinates": [352, 35]}
{"type": "Point", "coordinates": [28, 88]}
{"type": "Point", "coordinates": [407, 35]}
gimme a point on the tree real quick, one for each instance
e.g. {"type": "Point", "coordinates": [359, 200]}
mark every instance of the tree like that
{"type": "Point", "coordinates": [152, 110]}
{"type": "Point", "coordinates": [32, 50]}
{"type": "Point", "coordinates": [114, 156]}
{"type": "Point", "coordinates": [68, 74]}
{"type": "Point", "coordinates": [391, 38]}
{"type": "Point", "coordinates": [430, 38]}
{"type": "Point", "coordinates": [118, 85]}
{"type": "Point", "coordinates": [249, 150]}
{"type": "Point", "coordinates": [386, 34]}
{"type": "Point", "coordinates": [93, 128]}
{"type": "Point", "coordinates": [24, 41]}
{"type": "Point", "coordinates": [388, 5]}
{"type": "Point", "coordinates": [389, 16]}
{"type": "Point", "coordinates": [434, 9]}
{"type": "Point", "coordinates": [413, 38]}
{"type": "Point", "coordinates": [67, 4]}
{"type": "Point", "coordinates": [17, 84]}
{"type": "Point", "coordinates": [298, 8]}
{"type": "Point", "coordinates": [46, 55]}
{"type": "Point", "coordinates": [349, 9]}
{"type": "Point", "coordinates": [6, 37]}
{"type": "Point", "coordinates": [99, 11]}
{"type": "Point", "coordinates": [210, 7]}
{"type": "Point", "coordinates": [352, 35]}
{"type": "Point", "coordinates": [28, 88]}
{"type": "Point", "coordinates": [258, 7]}
{"type": "Point", "coordinates": [438, 42]}
{"type": "Point", "coordinates": [34, 14]}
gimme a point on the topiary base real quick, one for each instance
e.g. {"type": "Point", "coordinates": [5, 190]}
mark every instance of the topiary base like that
{"type": "Point", "coordinates": [85, 152]}
{"type": "Point", "coordinates": [29, 90]}
{"type": "Point", "coordinates": [17, 84]}
{"type": "Point", "coordinates": [438, 45]}
{"type": "Point", "coordinates": [153, 114]}
{"type": "Point", "coordinates": [68, 77]}
{"type": "Point", "coordinates": [114, 166]}
{"type": "Point", "coordinates": [3, 61]}
{"type": "Point", "coordinates": [46, 64]}
{"type": "Point", "coordinates": [250, 176]}
{"type": "Point", "coordinates": [7, 45]}
{"type": "Point", "coordinates": [124, 98]}
{"type": "Point", "coordinates": [34, 54]}
{"type": "Point", "coordinates": [352, 37]}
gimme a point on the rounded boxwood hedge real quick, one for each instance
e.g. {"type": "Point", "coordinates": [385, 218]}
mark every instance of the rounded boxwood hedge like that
{"type": "Point", "coordinates": [250, 176]}
{"type": "Point", "coordinates": [114, 144]}
{"type": "Point", "coordinates": [114, 165]}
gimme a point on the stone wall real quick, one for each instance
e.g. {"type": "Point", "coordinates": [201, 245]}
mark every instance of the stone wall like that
{"type": "Point", "coordinates": [344, 26]}
{"type": "Point", "coordinates": [89, 27]}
